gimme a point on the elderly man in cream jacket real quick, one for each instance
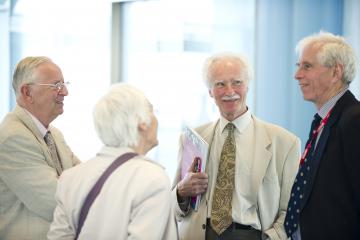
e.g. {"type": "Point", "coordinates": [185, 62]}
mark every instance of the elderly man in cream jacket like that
{"type": "Point", "coordinates": [29, 171]}
{"type": "Point", "coordinates": [263, 170]}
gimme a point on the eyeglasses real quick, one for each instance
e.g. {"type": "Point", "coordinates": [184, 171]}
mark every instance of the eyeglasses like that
{"type": "Point", "coordinates": [58, 86]}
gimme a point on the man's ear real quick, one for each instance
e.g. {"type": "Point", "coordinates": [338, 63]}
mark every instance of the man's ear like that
{"type": "Point", "coordinates": [142, 127]}
{"type": "Point", "coordinates": [338, 71]}
{"type": "Point", "coordinates": [26, 93]}
{"type": "Point", "coordinates": [210, 93]}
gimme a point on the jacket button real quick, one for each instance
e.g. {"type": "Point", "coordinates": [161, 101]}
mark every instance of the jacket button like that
{"type": "Point", "coordinates": [203, 226]}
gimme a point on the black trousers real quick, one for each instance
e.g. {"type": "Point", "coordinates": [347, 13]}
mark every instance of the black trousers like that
{"type": "Point", "coordinates": [234, 232]}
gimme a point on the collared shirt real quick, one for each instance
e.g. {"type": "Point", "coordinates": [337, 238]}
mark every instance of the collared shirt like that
{"type": "Point", "coordinates": [43, 130]}
{"type": "Point", "coordinates": [331, 103]}
{"type": "Point", "coordinates": [243, 211]}
{"type": "Point", "coordinates": [323, 111]}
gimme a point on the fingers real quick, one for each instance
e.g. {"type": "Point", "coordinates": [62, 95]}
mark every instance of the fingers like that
{"type": "Point", "coordinates": [193, 184]}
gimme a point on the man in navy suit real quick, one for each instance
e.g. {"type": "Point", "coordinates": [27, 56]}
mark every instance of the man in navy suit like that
{"type": "Point", "coordinates": [325, 198]}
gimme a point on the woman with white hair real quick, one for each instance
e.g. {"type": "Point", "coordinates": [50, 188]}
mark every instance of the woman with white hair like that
{"type": "Point", "coordinates": [134, 202]}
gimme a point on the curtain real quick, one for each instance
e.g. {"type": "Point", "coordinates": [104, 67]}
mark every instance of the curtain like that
{"type": "Point", "coordinates": [280, 25]}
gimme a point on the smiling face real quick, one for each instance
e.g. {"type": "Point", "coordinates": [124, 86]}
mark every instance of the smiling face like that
{"type": "Point", "coordinates": [229, 87]}
{"type": "Point", "coordinates": [318, 83]}
{"type": "Point", "coordinates": [46, 102]}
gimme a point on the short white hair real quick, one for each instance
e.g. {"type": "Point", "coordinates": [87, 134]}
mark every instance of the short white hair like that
{"type": "Point", "coordinates": [246, 70]}
{"type": "Point", "coordinates": [333, 50]}
{"type": "Point", "coordinates": [24, 71]}
{"type": "Point", "coordinates": [118, 114]}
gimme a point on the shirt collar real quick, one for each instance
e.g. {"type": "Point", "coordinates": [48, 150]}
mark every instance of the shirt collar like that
{"type": "Point", "coordinates": [43, 130]}
{"type": "Point", "coordinates": [240, 123]}
{"type": "Point", "coordinates": [323, 111]}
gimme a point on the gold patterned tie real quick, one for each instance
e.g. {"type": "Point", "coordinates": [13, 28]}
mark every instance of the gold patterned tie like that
{"type": "Point", "coordinates": [54, 155]}
{"type": "Point", "coordinates": [221, 212]}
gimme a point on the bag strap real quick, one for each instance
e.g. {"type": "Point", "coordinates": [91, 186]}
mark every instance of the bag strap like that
{"type": "Point", "coordinates": [98, 186]}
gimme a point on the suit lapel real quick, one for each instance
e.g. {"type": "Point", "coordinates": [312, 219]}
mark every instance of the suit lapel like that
{"type": "Point", "coordinates": [262, 155]}
{"type": "Point", "coordinates": [316, 157]}
{"type": "Point", "coordinates": [208, 133]}
{"type": "Point", "coordinates": [61, 148]}
{"type": "Point", "coordinates": [29, 123]}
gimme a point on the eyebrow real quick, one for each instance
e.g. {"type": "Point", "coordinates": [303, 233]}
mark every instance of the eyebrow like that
{"type": "Point", "coordinates": [304, 62]}
{"type": "Point", "coordinates": [231, 80]}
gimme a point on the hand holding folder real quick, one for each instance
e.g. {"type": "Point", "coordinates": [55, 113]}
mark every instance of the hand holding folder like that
{"type": "Point", "coordinates": [195, 151]}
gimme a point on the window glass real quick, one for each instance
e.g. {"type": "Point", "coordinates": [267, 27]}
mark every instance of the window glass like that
{"type": "Point", "coordinates": [76, 36]}
{"type": "Point", "coordinates": [164, 46]}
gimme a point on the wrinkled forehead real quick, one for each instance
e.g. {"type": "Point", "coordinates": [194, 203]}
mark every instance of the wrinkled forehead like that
{"type": "Point", "coordinates": [227, 68]}
{"type": "Point", "coordinates": [312, 48]}
{"type": "Point", "coordinates": [48, 70]}
{"type": "Point", "coordinates": [226, 64]}
{"type": "Point", "coordinates": [310, 53]}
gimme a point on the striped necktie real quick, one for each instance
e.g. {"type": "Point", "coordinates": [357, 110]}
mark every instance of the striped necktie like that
{"type": "Point", "coordinates": [54, 155]}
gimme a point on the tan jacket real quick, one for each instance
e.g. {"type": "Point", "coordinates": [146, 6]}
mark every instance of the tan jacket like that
{"type": "Point", "coordinates": [276, 161]}
{"type": "Point", "coordinates": [28, 178]}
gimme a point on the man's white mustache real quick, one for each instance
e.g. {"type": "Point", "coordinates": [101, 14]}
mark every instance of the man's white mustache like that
{"type": "Point", "coordinates": [230, 98]}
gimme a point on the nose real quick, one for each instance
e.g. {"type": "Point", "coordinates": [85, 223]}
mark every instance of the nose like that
{"type": "Point", "coordinates": [229, 90]}
{"type": "Point", "coordinates": [63, 91]}
{"type": "Point", "coordinates": [298, 74]}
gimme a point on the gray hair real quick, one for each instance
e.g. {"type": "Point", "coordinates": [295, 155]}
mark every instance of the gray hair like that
{"type": "Point", "coordinates": [118, 114]}
{"type": "Point", "coordinates": [247, 71]}
{"type": "Point", "coordinates": [24, 71]}
{"type": "Point", "coordinates": [333, 50]}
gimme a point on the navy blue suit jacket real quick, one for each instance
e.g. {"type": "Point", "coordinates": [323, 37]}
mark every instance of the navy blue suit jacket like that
{"type": "Point", "coordinates": [331, 206]}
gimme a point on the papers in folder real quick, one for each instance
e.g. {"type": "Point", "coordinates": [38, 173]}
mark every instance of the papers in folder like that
{"type": "Point", "coordinates": [194, 147]}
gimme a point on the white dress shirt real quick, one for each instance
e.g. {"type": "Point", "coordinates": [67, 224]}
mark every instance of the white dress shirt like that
{"type": "Point", "coordinates": [43, 130]}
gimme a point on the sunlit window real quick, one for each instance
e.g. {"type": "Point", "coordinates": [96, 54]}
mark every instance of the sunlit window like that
{"type": "Point", "coordinates": [76, 36]}
{"type": "Point", "coordinates": [164, 47]}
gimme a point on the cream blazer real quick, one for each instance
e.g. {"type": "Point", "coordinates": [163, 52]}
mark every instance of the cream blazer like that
{"type": "Point", "coordinates": [276, 161]}
{"type": "Point", "coordinates": [28, 178]}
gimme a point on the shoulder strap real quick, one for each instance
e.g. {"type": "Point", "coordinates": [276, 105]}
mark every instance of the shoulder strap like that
{"type": "Point", "coordinates": [97, 188]}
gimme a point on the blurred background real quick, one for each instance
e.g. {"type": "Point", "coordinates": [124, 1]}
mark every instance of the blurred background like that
{"type": "Point", "coordinates": [160, 46]}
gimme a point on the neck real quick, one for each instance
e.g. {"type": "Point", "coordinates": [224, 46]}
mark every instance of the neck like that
{"type": "Point", "coordinates": [139, 150]}
{"type": "Point", "coordinates": [142, 148]}
{"type": "Point", "coordinates": [231, 117]}
{"type": "Point", "coordinates": [319, 104]}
